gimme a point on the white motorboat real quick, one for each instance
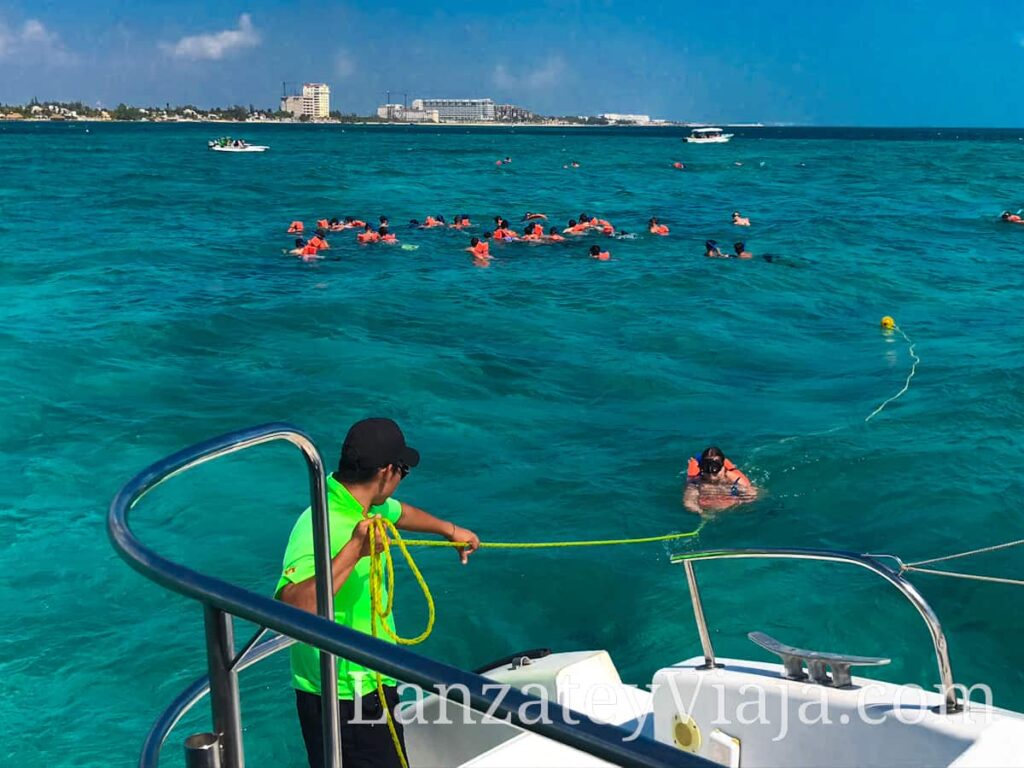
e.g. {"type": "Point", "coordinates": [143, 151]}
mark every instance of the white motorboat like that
{"type": "Point", "coordinates": [572, 708]}
{"type": "Point", "coordinates": [235, 145]}
{"type": "Point", "coordinates": [708, 136]}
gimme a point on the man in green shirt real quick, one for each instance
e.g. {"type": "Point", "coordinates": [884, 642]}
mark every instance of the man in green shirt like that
{"type": "Point", "coordinates": [374, 460]}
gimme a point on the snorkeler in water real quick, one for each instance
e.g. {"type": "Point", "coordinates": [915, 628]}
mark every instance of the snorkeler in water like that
{"type": "Point", "coordinates": [712, 251]}
{"type": "Point", "coordinates": [1011, 218]}
{"type": "Point", "coordinates": [480, 250]}
{"type": "Point", "coordinates": [655, 227]}
{"type": "Point", "coordinates": [714, 482]}
{"type": "Point", "coordinates": [740, 221]}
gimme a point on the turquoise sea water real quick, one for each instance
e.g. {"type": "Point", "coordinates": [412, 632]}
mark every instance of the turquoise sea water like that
{"type": "Point", "coordinates": [146, 306]}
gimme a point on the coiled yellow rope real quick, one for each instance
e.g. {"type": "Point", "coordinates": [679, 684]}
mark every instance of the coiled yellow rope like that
{"type": "Point", "coordinates": [383, 533]}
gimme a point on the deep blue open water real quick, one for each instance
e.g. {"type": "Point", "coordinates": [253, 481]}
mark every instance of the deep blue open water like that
{"type": "Point", "coordinates": [146, 306]}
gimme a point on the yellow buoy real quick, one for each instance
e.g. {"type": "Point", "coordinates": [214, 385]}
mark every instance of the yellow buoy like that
{"type": "Point", "coordinates": [888, 323]}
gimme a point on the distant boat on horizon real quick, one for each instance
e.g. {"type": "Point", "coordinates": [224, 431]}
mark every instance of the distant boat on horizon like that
{"type": "Point", "coordinates": [227, 144]}
{"type": "Point", "coordinates": [708, 136]}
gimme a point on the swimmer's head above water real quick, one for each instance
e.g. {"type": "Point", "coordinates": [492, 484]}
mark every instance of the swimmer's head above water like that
{"type": "Point", "coordinates": [711, 463]}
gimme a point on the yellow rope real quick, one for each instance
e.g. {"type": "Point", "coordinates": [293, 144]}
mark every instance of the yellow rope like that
{"type": "Point", "coordinates": [383, 533]}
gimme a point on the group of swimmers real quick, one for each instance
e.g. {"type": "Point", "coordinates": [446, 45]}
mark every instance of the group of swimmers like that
{"type": "Point", "coordinates": [533, 231]}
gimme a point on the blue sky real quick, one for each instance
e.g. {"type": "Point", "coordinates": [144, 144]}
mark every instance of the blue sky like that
{"type": "Point", "coordinates": [907, 62]}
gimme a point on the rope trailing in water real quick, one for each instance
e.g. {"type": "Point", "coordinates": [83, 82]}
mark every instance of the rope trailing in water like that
{"type": "Point", "coordinates": [906, 386]}
{"type": "Point", "coordinates": [915, 567]}
{"type": "Point", "coordinates": [383, 534]}
{"type": "Point", "coordinates": [993, 548]}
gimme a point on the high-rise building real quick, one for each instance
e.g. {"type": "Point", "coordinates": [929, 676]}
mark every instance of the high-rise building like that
{"type": "Point", "coordinates": [292, 105]}
{"type": "Point", "coordinates": [470, 110]}
{"type": "Point", "coordinates": [399, 113]}
{"type": "Point", "coordinates": [314, 102]}
{"type": "Point", "coordinates": [512, 113]}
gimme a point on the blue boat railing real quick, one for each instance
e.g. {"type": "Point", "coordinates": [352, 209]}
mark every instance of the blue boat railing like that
{"type": "Point", "coordinates": [222, 601]}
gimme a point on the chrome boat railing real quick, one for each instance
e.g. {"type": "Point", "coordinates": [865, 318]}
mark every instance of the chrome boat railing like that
{"type": "Point", "coordinates": [908, 590]}
{"type": "Point", "coordinates": [222, 601]}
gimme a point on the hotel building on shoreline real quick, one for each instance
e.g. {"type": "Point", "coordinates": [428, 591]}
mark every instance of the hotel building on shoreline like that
{"type": "Point", "coordinates": [458, 110]}
{"type": "Point", "coordinates": [314, 102]}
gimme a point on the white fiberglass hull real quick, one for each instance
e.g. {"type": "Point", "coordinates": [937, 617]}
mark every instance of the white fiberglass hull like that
{"type": "Point", "coordinates": [250, 148]}
{"type": "Point", "coordinates": [724, 138]}
{"type": "Point", "coordinates": [744, 713]}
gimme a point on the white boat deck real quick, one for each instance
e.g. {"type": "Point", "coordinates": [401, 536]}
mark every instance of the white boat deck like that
{"type": "Point", "coordinates": [745, 714]}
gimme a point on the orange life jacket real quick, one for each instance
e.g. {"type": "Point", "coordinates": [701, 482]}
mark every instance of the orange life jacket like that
{"type": "Point", "coordinates": [659, 229]}
{"type": "Point", "coordinates": [693, 470]}
{"type": "Point", "coordinates": [389, 238]}
{"type": "Point", "coordinates": [296, 227]}
{"type": "Point", "coordinates": [555, 238]}
{"type": "Point", "coordinates": [603, 256]}
{"type": "Point", "coordinates": [481, 249]}
{"type": "Point", "coordinates": [322, 223]}
{"type": "Point", "coordinates": [367, 237]}
{"type": "Point", "coordinates": [309, 250]}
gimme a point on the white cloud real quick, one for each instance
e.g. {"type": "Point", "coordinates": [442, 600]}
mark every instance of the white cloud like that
{"type": "Point", "coordinates": [33, 41]}
{"type": "Point", "coordinates": [547, 74]}
{"type": "Point", "coordinates": [344, 64]}
{"type": "Point", "coordinates": [216, 45]}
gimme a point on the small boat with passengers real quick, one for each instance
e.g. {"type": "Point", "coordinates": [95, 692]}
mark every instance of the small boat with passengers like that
{"type": "Point", "coordinates": [708, 135]}
{"type": "Point", "coordinates": [227, 144]}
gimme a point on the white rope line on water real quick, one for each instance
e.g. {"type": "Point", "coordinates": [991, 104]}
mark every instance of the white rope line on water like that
{"type": "Point", "coordinates": [972, 576]}
{"type": "Point", "coordinates": [914, 567]}
{"type": "Point", "coordinates": [906, 386]}
{"type": "Point", "coordinates": [993, 548]}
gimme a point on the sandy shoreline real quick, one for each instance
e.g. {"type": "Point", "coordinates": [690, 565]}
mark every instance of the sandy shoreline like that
{"type": "Point", "coordinates": [358, 122]}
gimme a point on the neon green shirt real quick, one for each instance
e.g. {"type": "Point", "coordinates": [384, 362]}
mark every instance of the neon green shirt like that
{"type": "Point", "coordinates": [352, 599]}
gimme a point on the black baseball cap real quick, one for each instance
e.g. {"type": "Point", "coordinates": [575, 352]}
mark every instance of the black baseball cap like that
{"type": "Point", "coordinates": [375, 443]}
